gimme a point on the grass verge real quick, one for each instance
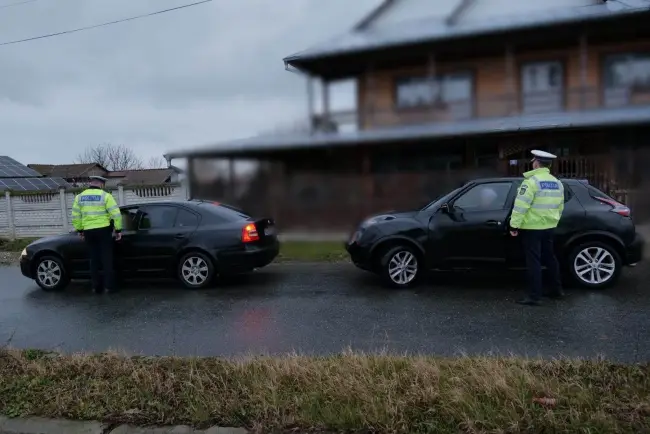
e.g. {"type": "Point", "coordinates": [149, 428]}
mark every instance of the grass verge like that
{"type": "Point", "coordinates": [349, 392]}
{"type": "Point", "coordinates": [312, 251]}
{"type": "Point", "coordinates": [17, 245]}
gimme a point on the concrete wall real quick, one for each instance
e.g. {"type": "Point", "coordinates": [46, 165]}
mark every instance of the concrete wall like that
{"type": "Point", "coordinates": [31, 215]}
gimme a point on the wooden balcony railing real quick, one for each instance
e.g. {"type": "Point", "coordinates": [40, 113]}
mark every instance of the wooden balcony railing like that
{"type": "Point", "coordinates": [506, 105]}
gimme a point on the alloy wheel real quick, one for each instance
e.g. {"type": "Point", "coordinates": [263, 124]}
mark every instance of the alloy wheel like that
{"type": "Point", "coordinates": [594, 265]}
{"type": "Point", "coordinates": [403, 267]}
{"type": "Point", "coordinates": [49, 273]}
{"type": "Point", "coordinates": [195, 270]}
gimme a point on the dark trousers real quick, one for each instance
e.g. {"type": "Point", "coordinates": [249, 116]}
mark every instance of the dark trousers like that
{"type": "Point", "coordinates": [538, 248]}
{"type": "Point", "coordinates": [100, 249]}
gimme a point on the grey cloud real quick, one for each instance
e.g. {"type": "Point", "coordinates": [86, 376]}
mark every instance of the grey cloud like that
{"type": "Point", "coordinates": [207, 73]}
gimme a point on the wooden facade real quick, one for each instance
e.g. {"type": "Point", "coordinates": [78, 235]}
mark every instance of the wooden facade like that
{"type": "Point", "coordinates": [333, 188]}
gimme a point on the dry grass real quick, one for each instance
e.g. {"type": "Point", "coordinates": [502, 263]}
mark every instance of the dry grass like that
{"type": "Point", "coordinates": [350, 392]}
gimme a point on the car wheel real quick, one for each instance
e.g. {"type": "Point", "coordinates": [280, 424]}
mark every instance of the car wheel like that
{"type": "Point", "coordinates": [50, 273]}
{"type": "Point", "coordinates": [401, 267]}
{"type": "Point", "coordinates": [595, 265]}
{"type": "Point", "coordinates": [195, 270]}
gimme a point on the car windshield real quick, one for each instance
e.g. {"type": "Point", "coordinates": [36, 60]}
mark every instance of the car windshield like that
{"type": "Point", "coordinates": [227, 212]}
{"type": "Point", "coordinates": [436, 203]}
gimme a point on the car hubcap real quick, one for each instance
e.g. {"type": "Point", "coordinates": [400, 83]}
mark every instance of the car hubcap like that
{"type": "Point", "coordinates": [195, 270]}
{"type": "Point", "coordinates": [48, 273]}
{"type": "Point", "coordinates": [594, 265]}
{"type": "Point", "coordinates": [403, 267]}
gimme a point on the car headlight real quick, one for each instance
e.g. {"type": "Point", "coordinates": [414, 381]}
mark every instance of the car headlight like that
{"type": "Point", "coordinates": [24, 252]}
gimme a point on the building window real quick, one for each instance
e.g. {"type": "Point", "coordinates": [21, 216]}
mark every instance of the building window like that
{"type": "Point", "coordinates": [627, 78]}
{"type": "Point", "coordinates": [423, 91]}
{"type": "Point", "coordinates": [542, 86]}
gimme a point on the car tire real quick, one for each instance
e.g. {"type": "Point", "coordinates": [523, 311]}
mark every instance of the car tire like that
{"type": "Point", "coordinates": [400, 267]}
{"type": "Point", "coordinates": [195, 270]}
{"type": "Point", "coordinates": [594, 265]}
{"type": "Point", "coordinates": [50, 273]}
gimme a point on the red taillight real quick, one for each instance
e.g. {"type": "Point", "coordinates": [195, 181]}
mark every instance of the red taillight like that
{"type": "Point", "coordinates": [617, 207]}
{"type": "Point", "coordinates": [249, 233]}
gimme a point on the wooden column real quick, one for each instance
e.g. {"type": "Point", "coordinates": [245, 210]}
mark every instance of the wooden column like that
{"type": "Point", "coordinates": [325, 88]}
{"type": "Point", "coordinates": [369, 93]}
{"type": "Point", "coordinates": [310, 102]}
{"type": "Point", "coordinates": [232, 179]}
{"type": "Point", "coordinates": [512, 103]}
{"type": "Point", "coordinates": [584, 59]}
{"type": "Point", "coordinates": [367, 181]}
{"type": "Point", "coordinates": [431, 74]}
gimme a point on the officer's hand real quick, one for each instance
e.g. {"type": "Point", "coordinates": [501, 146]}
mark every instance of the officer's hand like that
{"type": "Point", "coordinates": [514, 233]}
{"type": "Point", "coordinates": [81, 235]}
{"type": "Point", "coordinates": [118, 236]}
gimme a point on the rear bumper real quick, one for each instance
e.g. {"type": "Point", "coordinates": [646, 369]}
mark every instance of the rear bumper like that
{"type": "Point", "coordinates": [249, 258]}
{"type": "Point", "coordinates": [634, 251]}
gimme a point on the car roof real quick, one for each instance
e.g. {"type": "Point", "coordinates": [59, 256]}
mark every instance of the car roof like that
{"type": "Point", "coordinates": [570, 181]}
{"type": "Point", "coordinates": [190, 202]}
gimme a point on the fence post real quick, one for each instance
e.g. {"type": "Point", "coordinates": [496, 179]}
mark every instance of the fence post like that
{"type": "Point", "coordinates": [64, 209]}
{"type": "Point", "coordinates": [10, 216]}
{"type": "Point", "coordinates": [120, 195]}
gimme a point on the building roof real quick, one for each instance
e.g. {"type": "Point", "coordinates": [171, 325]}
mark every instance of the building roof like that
{"type": "Point", "coordinates": [268, 144]}
{"type": "Point", "coordinates": [81, 170]}
{"type": "Point", "coordinates": [436, 29]}
{"type": "Point", "coordinates": [144, 176]}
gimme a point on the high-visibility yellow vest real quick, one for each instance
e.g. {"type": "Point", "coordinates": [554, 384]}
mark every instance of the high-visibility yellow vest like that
{"type": "Point", "coordinates": [93, 209]}
{"type": "Point", "coordinates": [539, 202]}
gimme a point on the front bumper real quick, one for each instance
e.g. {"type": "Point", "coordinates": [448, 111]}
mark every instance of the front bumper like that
{"type": "Point", "coordinates": [359, 256]}
{"type": "Point", "coordinates": [26, 266]}
{"type": "Point", "coordinates": [634, 251]}
{"type": "Point", "coordinates": [248, 258]}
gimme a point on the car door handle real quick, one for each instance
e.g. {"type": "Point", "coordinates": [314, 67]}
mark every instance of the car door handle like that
{"type": "Point", "coordinates": [493, 223]}
{"type": "Point", "coordinates": [179, 236]}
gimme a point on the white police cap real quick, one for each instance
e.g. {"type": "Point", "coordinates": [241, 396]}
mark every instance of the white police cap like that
{"type": "Point", "coordinates": [98, 178]}
{"type": "Point", "coordinates": [542, 156]}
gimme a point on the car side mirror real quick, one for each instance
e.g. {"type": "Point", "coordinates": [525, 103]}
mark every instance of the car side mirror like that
{"type": "Point", "coordinates": [446, 208]}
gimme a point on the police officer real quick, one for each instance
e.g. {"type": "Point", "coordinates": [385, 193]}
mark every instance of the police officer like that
{"type": "Point", "coordinates": [92, 212]}
{"type": "Point", "coordinates": [536, 212]}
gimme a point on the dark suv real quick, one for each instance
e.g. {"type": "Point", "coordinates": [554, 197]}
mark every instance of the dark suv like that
{"type": "Point", "coordinates": [468, 228]}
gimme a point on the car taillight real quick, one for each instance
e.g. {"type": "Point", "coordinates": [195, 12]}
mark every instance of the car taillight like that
{"type": "Point", "coordinates": [617, 207]}
{"type": "Point", "coordinates": [249, 233]}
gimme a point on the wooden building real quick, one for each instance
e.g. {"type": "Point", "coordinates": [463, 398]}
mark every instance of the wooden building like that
{"type": "Point", "coordinates": [452, 90]}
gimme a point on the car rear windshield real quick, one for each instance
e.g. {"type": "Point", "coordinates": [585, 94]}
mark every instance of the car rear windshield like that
{"type": "Point", "coordinates": [225, 212]}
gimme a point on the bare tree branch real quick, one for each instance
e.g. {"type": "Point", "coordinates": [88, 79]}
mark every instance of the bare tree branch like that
{"type": "Point", "coordinates": [112, 157]}
{"type": "Point", "coordinates": [156, 163]}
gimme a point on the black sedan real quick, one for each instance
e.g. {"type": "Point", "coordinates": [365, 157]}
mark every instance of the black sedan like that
{"type": "Point", "coordinates": [468, 229]}
{"type": "Point", "coordinates": [191, 240]}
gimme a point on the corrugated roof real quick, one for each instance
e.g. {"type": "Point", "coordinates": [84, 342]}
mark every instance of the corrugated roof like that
{"type": "Point", "coordinates": [609, 117]}
{"type": "Point", "coordinates": [431, 30]}
{"type": "Point", "coordinates": [67, 170]}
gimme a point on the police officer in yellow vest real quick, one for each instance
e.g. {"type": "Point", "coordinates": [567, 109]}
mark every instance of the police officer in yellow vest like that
{"type": "Point", "coordinates": [92, 212]}
{"type": "Point", "coordinates": [536, 212]}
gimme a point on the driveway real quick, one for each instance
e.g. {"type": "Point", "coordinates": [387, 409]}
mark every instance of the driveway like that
{"type": "Point", "coordinates": [324, 308]}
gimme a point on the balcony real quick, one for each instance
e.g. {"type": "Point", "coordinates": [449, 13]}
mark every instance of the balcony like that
{"type": "Point", "coordinates": [575, 99]}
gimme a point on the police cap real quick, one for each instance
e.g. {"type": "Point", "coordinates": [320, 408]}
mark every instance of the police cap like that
{"type": "Point", "coordinates": [542, 156]}
{"type": "Point", "coordinates": [98, 178]}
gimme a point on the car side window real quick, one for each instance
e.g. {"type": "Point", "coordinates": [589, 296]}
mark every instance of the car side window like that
{"type": "Point", "coordinates": [130, 219]}
{"type": "Point", "coordinates": [158, 217]}
{"type": "Point", "coordinates": [484, 197]}
{"type": "Point", "coordinates": [186, 219]}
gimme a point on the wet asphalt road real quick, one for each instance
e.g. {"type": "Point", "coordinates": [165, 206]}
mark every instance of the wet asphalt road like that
{"type": "Point", "coordinates": [324, 308]}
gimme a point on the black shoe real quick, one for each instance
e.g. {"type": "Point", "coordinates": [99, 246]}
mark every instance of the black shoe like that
{"type": "Point", "coordinates": [529, 302]}
{"type": "Point", "coordinates": [555, 295]}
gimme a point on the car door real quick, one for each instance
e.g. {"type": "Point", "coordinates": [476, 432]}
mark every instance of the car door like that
{"type": "Point", "coordinates": [126, 255]}
{"type": "Point", "coordinates": [160, 236]}
{"type": "Point", "coordinates": [471, 231]}
{"type": "Point", "coordinates": [571, 221]}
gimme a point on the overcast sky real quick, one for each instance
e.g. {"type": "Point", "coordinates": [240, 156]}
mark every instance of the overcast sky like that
{"type": "Point", "coordinates": [203, 74]}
